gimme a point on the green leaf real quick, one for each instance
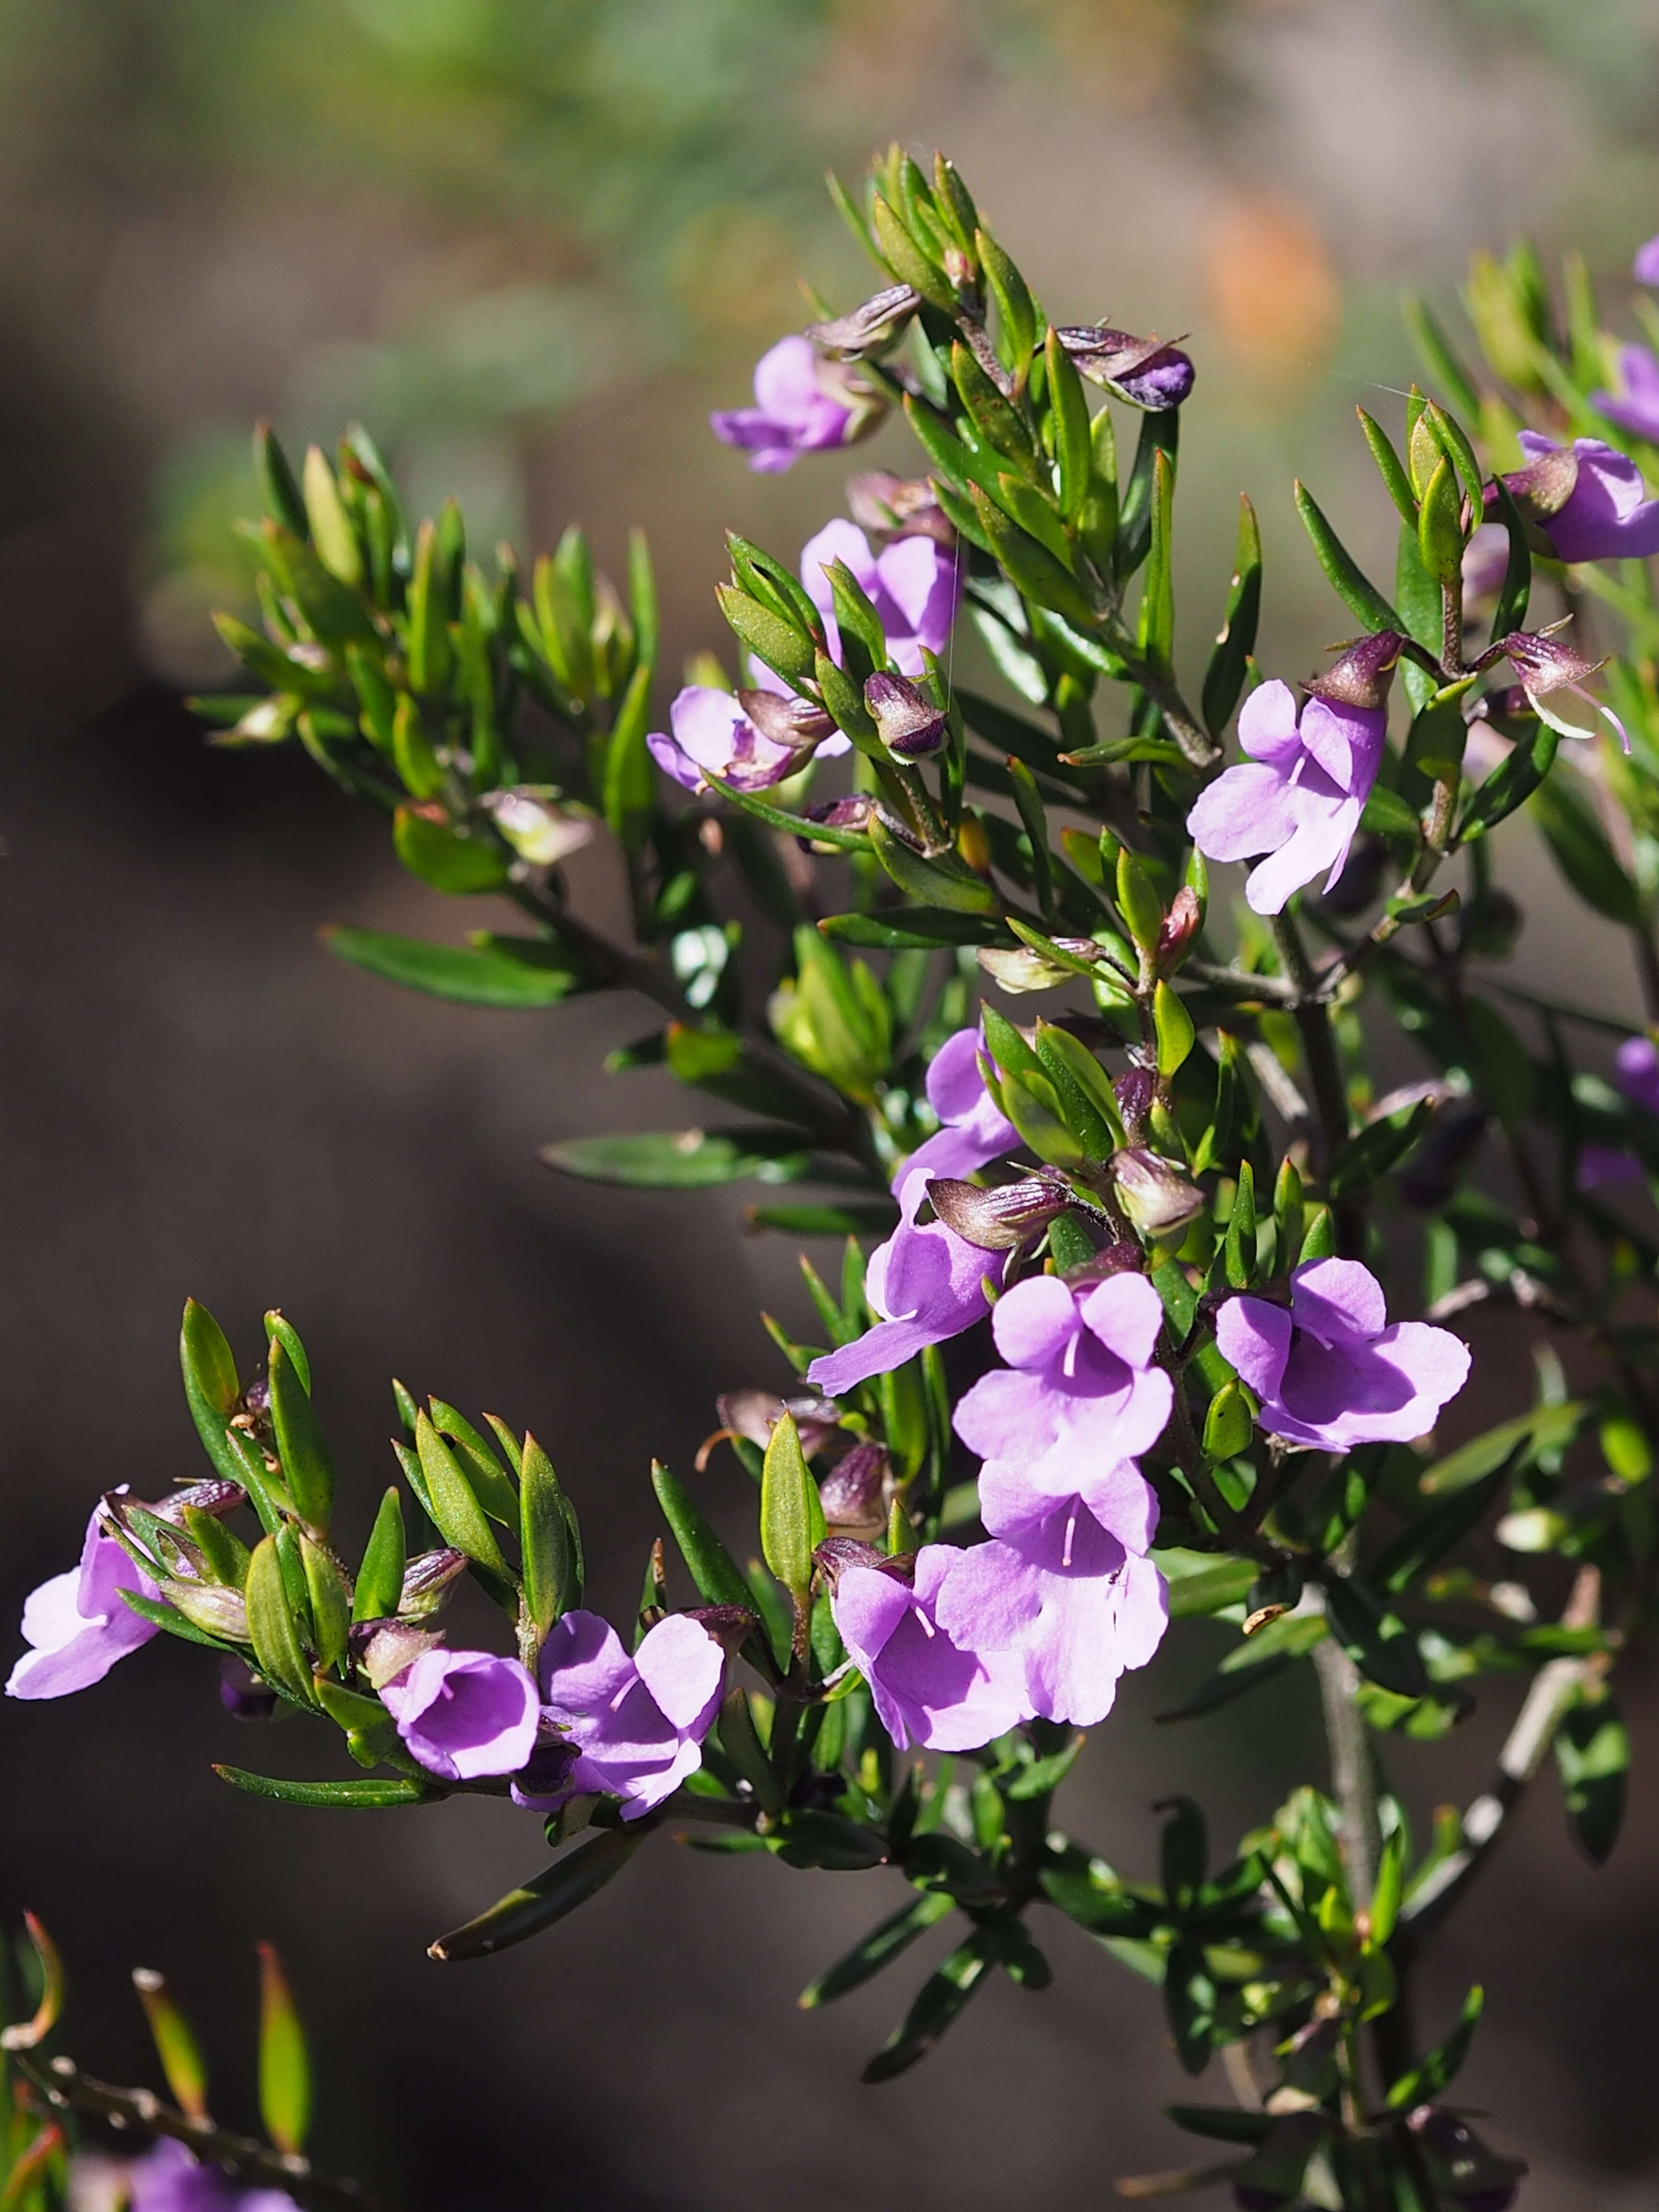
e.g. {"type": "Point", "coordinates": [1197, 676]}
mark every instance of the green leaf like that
{"type": "Point", "coordinates": [1224, 679]}
{"type": "Point", "coordinates": [284, 2060]}
{"type": "Point", "coordinates": [1378, 1642]}
{"type": "Point", "coordinates": [686, 1159]}
{"type": "Point", "coordinates": [1352, 587]}
{"type": "Point", "coordinates": [1157, 621]}
{"type": "Point", "coordinates": [906, 260]}
{"type": "Point", "coordinates": [808, 1836]}
{"type": "Point", "coordinates": [716, 1574]}
{"type": "Point", "coordinates": [1083, 1088]}
{"type": "Point", "coordinates": [782, 646]}
{"type": "Point", "coordinates": [911, 927]}
{"type": "Point", "coordinates": [168, 1617]}
{"type": "Point", "coordinates": [308, 1469]}
{"type": "Point", "coordinates": [1592, 1753]}
{"type": "Point", "coordinates": [796, 825]}
{"type": "Point", "coordinates": [944, 882]}
{"type": "Point", "coordinates": [1209, 1589]}
{"type": "Point", "coordinates": [330, 1601]}
{"type": "Point", "coordinates": [792, 1522]}
{"type": "Point", "coordinates": [1069, 406]}
{"type": "Point", "coordinates": [350, 1797]}
{"type": "Point", "coordinates": [446, 858]}
{"type": "Point", "coordinates": [568, 1882]}
{"type": "Point", "coordinates": [940, 2003]}
{"type": "Point", "coordinates": [1389, 467]}
{"type": "Point", "coordinates": [1515, 591]}
{"type": "Point", "coordinates": [1512, 783]}
{"type": "Point", "coordinates": [1030, 566]}
{"type": "Point", "coordinates": [272, 1629]}
{"type": "Point", "coordinates": [1439, 531]}
{"type": "Point", "coordinates": [1433, 2072]}
{"type": "Point", "coordinates": [1546, 1428]}
{"type": "Point", "coordinates": [1016, 312]}
{"type": "Point", "coordinates": [1388, 815]}
{"type": "Point", "coordinates": [515, 973]}
{"type": "Point", "coordinates": [489, 1478]}
{"type": "Point", "coordinates": [1583, 851]}
{"type": "Point", "coordinates": [877, 1950]}
{"type": "Point", "coordinates": [453, 1505]}
{"type": "Point", "coordinates": [1439, 358]}
{"type": "Point", "coordinates": [379, 1582]}
{"type": "Point", "coordinates": [1365, 1159]}
{"type": "Point", "coordinates": [629, 774]}
{"type": "Point", "coordinates": [1428, 1539]}
{"type": "Point", "coordinates": [551, 1582]}
{"type": "Point", "coordinates": [279, 490]}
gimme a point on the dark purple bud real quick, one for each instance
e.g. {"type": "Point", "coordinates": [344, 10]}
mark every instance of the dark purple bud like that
{"type": "Point", "coordinates": [1136, 1089]}
{"type": "Point", "coordinates": [835, 1554]}
{"type": "Point", "coordinates": [796, 723]}
{"type": "Point", "coordinates": [997, 1219]}
{"type": "Point", "coordinates": [427, 1581]}
{"type": "Point", "coordinates": [852, 812]}
{"type": "Point", "coordinates": [220, 1499]}
{"type": "Point", "coordinates": [729, 1624]}
{"type": "Point", "coordinates": [383, 1649]}
{"type": "Point", "coordinates": [1159, 1197]}
{"type": "Point", "coordinates": [1110, 1259]}
{"type": "Point", "coordinates": [1430, 1176]}
{"type": "Point", "coordinates": [869, 328]}
{"type": "Point", "coordinates": [854, 1491]}
{"type": "Point", "coordinates": [907, 720]}
{"type": "Point", "coordinates": [1149, 373]}
{"type": "Point", "coordinates": [885, 506]}
{"type": "Point", "coordinates": [1543, 661]}
{"type": "Point", "coordinates": [1363, 676]}
{"type": "Point", "coordinates": [1361, 879]}
{"type": "Point", "coordinates": [1179, 928]}
{"type": "Point", "coordinates": [245, 1695]}
{"type": "Point", "coordinates": [1544, 486]}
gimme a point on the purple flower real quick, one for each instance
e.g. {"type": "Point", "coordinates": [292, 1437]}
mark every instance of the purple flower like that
{"type": "Point", "coordinates": [1635, 406]}
{"type": "Point", "coordinates": [929, 1687]}
{"type": "Point", "coordinates": [974, 1131]}
{"type": "Point", "coordinates": [802, 403]}
{"type": "Point", "coordinates": [169, 2178]}
{"type": "Point", "coordinates": [1596, 510]}
{"type": "Point", "coordinates": [912, 584]}
{"type": "Point", "coordinates": [638, 1724]}
{"type": "Point", "coordinates": [1636, 1071]}
{"type": "Point", "coordinates": [1646, 267]}
{"type": "Point", "coordinates": [464, 1713]}
{"type": "Point", "coordinates": [79, 1623]}
{"type": "Point", "coordinates": [1299, 796]}
{"type": "Point", "coordinates": [1064, 1587]}
{"type": "Point", "coordinates": [713, 736]}
{"type": "Point", "coordinates": [1331, 1372]}
{"type": "Point", "coordinates": [1603, 1167]}
{"type": "Point", "coordinates": [926, 1283]}
{"type": "Point", "coordinates": [1080, 1388]}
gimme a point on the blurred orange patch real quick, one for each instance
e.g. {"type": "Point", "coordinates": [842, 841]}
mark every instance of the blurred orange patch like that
{"type": "Point", "coordinates": [1275, 297]}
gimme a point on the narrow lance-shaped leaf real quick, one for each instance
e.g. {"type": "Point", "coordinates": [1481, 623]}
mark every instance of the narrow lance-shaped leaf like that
{"type": "Point", "coordinates": [271, 1627]}
{"type": "Point", "coordinates": [376, 1795]}
{"type": "Point", "coordinates": [284, 2060]}
{"type": "Point", "coordinates": [878, 1949]}
{"type": "Point", "coordinates": [306, 1467]}
{"type": "Point", "coordinates": [791, 1523]}
{"type": "Point", "coordinates": [570, 1881]}
{"type": "Point", "coordinates": [549, 1563]}
{"type": "Point", "coordinates": [940, 2003]}
{"type": "Point", "coordinates": [1224, 679]}
{"type": "Point", "coordinates": [1435, 2070]}
{"type": "Point", "coordinates": [454, 1506]}
{"type": "Point", "coordinates": [1351, 585]}
{"type": "Point", "coordinates": [718, 1577]}
{"type": "Point", "coordinates": [1592, 1753]}
{"type": "Point", "coordinates": [512, 974]}
{"type": "Point", "coordinates": [180, 2054]}
{"type": "Point", "coordinates": [1158, 594]}
{"type": "Point", "coordinates": [380, 1577]}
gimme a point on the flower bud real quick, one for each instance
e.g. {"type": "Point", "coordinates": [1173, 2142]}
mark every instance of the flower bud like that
{"type": "Point", "coordinates": [997, 1219]}
{"type": "Point", "coordinates": [907, 720]}
{"type": "Point", "coordinates": [853, 1491]}
{"type": "Point", "coordinates": [753, 1415]}
{"type": "Point", "coordinates": [1021, 969]}
{"type": "Point", "coordinates": [426, 1580]}
{"type": "Point", "coordinates": [1363, 676]}
{"type": "Point", "coordinates": [220, 1499]}
{"type": "Point", "coordinates": [211, 1606]}
{"type": "Point", "coordinates": [1149, 373]}
{"type": "Point", "coordinates": [1159, 1197]}
{"type": "Point", "coordinates": [1135, 1089]}
{"type": "Point", "coordinates": [729, 1624]}
{"type": "Point", "coordinates": [1177, 930]}
{"type": "Point", "coordinates": [886, 506]}
{"type": "Point", "coordinates": [799, 724]}
{"type": "Point", "coordinates": [537, 831]}
{"type": "Point", "coordinates": [384, 1648]}
{"type": "Point", "coordinates": [870, 328]}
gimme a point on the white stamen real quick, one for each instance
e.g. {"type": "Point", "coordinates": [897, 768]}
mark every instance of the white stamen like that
{"type": "Point", "coordinates": [1071, 1531]}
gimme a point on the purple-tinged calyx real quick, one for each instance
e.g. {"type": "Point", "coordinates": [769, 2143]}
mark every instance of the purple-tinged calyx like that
{"type": "Point", "coordinates": [836, 1554]}
{"type": "Point", "coordinates": [1004, 1216]}
{"type": "Point", "coordinates": [1180, 926]}
{"type": "Point", "coordinates": [870, 327]}
{"type": "Point", "coordinates": [1363, 676]}
{"type": "Point", "coordinates": [386, 1649]}
{"type": "Point", "coordinates": [753, 1415]}
{"type": "Point", "coordinates": [1152, 373]}
{"type": "Point", "coordinates": [798, 725]}
{"type": "Point", "coordinates": [854, 1491]}
{"type": "Point", "coordinates": [1159, 1197]}
{"type": "Point", "coordinates": [1547, 665]}
{"type": "Point", "coordinates": [428, 1579]}
{"type": "Point", "coordinates": [907, 720]}
{"type": "Point", "coordinates": [886, 506]}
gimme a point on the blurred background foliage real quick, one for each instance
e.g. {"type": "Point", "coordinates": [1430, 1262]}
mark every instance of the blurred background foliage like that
{"type": "Point", "coordinates": [530, 243]}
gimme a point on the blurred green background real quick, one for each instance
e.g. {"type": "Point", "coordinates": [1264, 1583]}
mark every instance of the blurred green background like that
{"type": "Point", "coordinates": [530, 243]}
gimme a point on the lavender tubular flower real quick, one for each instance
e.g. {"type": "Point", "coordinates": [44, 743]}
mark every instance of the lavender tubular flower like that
{"type": "Point", "coordinates": [79, 1623]}
{"type": "Point", "coordinates": [1597, 509]}
{"type": "Point", "coordinates": [637, 1724]}
{"type": "Point", "coordinates": [930, 1687]}
{"type": "Point", "coordinates": [1299, 797]}
{"type": "Point", "coordinates": [713, 736]}
{"type": "Point", "coordinates": [975, 1130]}
{"type": "Point", "coordinates": [1635, 406]}
{"type": "Point", "coordinates": [1636, 1071]}
{"type": "Point", "coordinates": [464, 1714]}
{"type": "Point", "coordinates": [912, 584]}
{"type": "Point", "coordinates": [1080, 1385]}
{"type": "Point", "coordinates": [802, 405]}
{"type": "Point", "coordinates": [169, 2177]}
{"type": "Point", "coordinates": [1331, 1372]}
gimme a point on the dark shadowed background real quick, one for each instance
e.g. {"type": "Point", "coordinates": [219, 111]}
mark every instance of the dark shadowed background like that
{"type": "Point", "coordinates": [529, 242]}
